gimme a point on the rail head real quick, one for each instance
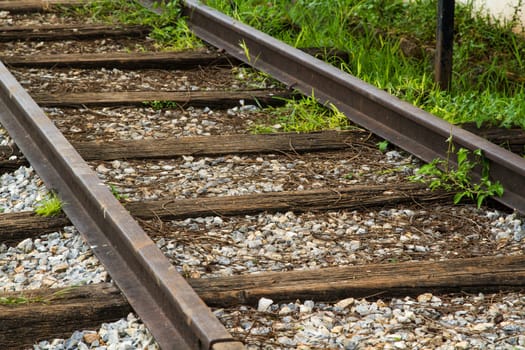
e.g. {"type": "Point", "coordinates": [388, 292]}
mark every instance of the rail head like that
{"type": "Point", "coordinates": [176, 316]}
{"type": "Point", "coordinates": [399, 122]}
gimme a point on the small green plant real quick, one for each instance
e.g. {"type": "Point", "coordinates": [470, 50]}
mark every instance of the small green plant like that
{"type": "Point", "coordinates": [306, 115]}
{"type": "Point", "coordinates": [254, 78]}
{"type": "Point", "coordinates": [176, 37]}
{"type": "Point", "coordinates": [261, 129]}
{"type": "Point", "coordinates": [49, 206]}
{"type": "Point", "coordinates": [159, 105]}
{"type": "Point", "coordinates": [246, 51]}
{"type": "Point", "coordinates": [116, 193]}
{"type": "Point", "coordinates": [382, 146]}
{"type": "Point", "coordinates": [399, 169]}
{"type": "Point", "coordinates": [14, 300]}
{"type": "Point", "coordinates": [21, 300]}
{"type": "Point", "coordinates": [440, 175]}
{"type": "Point", "coordinates": [169, 30]}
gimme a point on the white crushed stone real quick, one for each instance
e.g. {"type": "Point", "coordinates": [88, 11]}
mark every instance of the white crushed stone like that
{"type": "Point", "coordinates": [55, 260]}
{"type": "Point", "coordinates": [492, 321]}
{"type": "Point", "coordinates": [20, 190]}
{"type": "Point", "coordinates": [109, 124]}
{"type": "Point", "coordinates": [214, 246]}
{"type": "Point", "coordinates": [31, 48]}
{"type": "Point", "coordinates": [5, 139]}
{"type": "Point", "coordinates": [59, 80]}
{"type": "Point", "coordinates": [399, 324]}
{"type": "Point", "coordinates": [238, 175]}
{"type": "Point", "coordinates": [125, 334]}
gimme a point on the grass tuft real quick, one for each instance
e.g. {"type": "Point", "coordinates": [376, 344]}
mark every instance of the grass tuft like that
{"type": "Point", "coordinates": [169, 30]}
{"type": "Point", "coordinates": [439, 174]}
{"type": "Point", "coordinates": [115, 192]}
{"type": "Point", "coordinates": [303, 115]}
{"type": "Point", "coordinates": [22, 300]}
{"type": "Point", "coordinates": [50, 206]}
{"type": "Point", "coordinates": [160, 105]}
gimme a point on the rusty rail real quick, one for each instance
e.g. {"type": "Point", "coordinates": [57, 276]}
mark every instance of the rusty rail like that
{"type": "Point", "coordinates": [399, 122]}
{"type": "Point", "coordinates": [176, 316]}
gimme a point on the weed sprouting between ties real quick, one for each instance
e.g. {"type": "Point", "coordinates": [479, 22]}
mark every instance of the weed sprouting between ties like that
{"type": "Point", "coordinates": [169, 29]}
{"type": "Point", "coordinates": [116, 193]}
{"type": "Point", "coordinates": [49, 206]}
{"type": "Point", "coordinates": [160, 105]}
{"type": "Point", "coordinates": [22, 300]}
{"type": "Point", "coordinates": [304, 115]}
{"type": "Point", "coordinates": [382, 146]}
{"type": "Point", "coordinates": [440, 174]}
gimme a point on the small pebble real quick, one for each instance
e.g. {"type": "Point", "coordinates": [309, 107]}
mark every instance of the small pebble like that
{"type": "Point", "coordinates": [264, 304]}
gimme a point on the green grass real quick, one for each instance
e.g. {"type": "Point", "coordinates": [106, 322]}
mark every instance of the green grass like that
{"type": "Point", "coordinates": [382, 146]}
{"type": "Point", "coordinates": [170, 31]}
{"type": "Point", "coordinates": [439, 174]}
{"type": "Point", "coordinates": [160, 105]}
{"type": "Point", "coordinates": [49, 206]}
{"type": "Point", "coordinates": [303, 115]}
{"type": "Point", "coordinates": [21, 300]}
{"type": "Point", "coordinates": [489, 59]}
{"type": "Point", "coordinates": [119, 196]}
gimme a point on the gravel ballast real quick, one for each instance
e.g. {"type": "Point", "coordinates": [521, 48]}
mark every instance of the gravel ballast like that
{"type": "Point", "coordinates": [189, 176]}
{"type": "Point", "coordinates": [113, 124]}
{"type": "Point", "coordinates": [441, 322]}
{"type": "Point", "coordinates": [220, 246]}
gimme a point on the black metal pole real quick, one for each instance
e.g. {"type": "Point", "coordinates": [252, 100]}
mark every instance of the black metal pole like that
{"type": "Point", "coordinates": [445, 39]}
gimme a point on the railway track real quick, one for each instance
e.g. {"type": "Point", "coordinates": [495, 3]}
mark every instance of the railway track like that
{"type": "Point", "coordinates": [282, 205]}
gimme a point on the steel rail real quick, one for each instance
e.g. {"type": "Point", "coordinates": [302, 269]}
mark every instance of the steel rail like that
{"type": "Point", "coordinates": [176, 316]}
{"type": "Point", "coordinates": [399, 122]}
